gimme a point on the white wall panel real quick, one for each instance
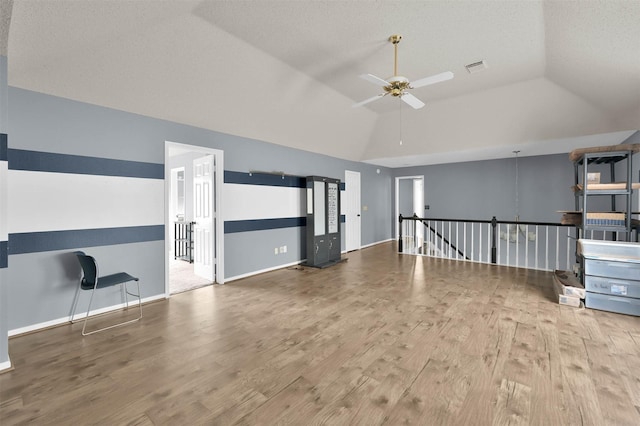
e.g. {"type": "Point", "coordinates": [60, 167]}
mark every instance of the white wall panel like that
{"type": "Point", "coordinates": [246, 202]}
{"type": "Point", "coordinates": [43, 201]}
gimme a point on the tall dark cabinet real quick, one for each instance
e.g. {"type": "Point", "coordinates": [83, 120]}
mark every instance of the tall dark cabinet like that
{"type": "Point", "coordinates": [323, 221]}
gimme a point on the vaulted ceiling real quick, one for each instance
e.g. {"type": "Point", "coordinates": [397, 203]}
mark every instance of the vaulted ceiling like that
{"type": "Point", "coordinates": [286, 72]}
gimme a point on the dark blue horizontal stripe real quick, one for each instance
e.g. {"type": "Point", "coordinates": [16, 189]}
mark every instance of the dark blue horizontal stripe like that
{"type": "Point", "coordinates": [3, 254]}
{"type": "Point", "coordinates": [33, 242]}
{"type": "Point", "coordinates": [264, 179]}
{"type": "Point", "coordinates": [64, 163]}
{"type": "Point", "coordinates": [3, 146]}
{"type": "Point", "coordinates": [233, 226]}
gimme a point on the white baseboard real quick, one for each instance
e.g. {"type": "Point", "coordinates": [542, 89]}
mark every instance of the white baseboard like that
{"type": "Point", "coordinates": [376, 243]}
{"type": "Point", "coordinates": [262, 271]}
{"type": "Point", "coordinates": [370, 245]}
{"type": "Point", "coordinates": [5, 365]}
{"type": "Point", "coordinates": [79, 315]}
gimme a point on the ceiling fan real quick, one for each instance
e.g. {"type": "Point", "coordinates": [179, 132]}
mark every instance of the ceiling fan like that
{"type": "Point", "coordinates": [398, 85]}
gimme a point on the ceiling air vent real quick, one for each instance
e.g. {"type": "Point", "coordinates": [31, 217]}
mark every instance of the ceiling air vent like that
{"type": "Point", "coordinates": [476, 67]}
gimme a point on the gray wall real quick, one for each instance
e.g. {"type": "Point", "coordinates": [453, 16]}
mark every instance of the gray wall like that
{"type": "Point", "coordinates": [483, 189]}
{"type": "Point", "coordinates": [42, 283]}
{"type": "Point", "coordinates": [44, 286]}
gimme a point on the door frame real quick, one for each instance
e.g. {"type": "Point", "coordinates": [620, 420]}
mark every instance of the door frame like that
{"type": "Point", "coordinates": [218, 220]}
{"type": "Point", "coordinates": [397, 196]}
{"type": "Point", "coordinates": [171, 201]}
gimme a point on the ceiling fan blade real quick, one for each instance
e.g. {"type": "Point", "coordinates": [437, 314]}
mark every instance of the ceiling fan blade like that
{"type": "Point", "coordinates": [366, 101]}
{"type": "Point", "coordinates": [373, 79]}
{"type": "Point", "coordinates": [412, 101]}
{"type": "Point", "coordinates": [448, 75]}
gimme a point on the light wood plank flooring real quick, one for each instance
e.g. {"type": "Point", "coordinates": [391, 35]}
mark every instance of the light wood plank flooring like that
{"type": "Point", "coordinates": [380, 339]}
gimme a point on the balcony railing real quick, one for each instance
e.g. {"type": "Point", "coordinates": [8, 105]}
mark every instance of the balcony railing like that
{"type": "Point", "coordinates": [532, 245]}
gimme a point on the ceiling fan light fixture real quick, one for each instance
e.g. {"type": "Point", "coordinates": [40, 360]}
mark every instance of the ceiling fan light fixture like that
{"type": "Point", "coordinates": [475, 67]}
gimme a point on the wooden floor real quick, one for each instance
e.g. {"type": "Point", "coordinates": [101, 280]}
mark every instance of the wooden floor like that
{"type": "Point", "coordinates": [381, 339]}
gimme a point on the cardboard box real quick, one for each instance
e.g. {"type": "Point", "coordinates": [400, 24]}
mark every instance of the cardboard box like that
{"type": "Point", "coordinates": [605, 219]}
{"type": "Point", "coordinates": [569, 301]}
{"type": "Point", "coordinates": [566, 284]}
{"type": "Point", "coordinates": [593, 177]}
{"type": "Point", "coordinates": [606, 186]}
{"type": "Point", "coordinates": [597, 218]}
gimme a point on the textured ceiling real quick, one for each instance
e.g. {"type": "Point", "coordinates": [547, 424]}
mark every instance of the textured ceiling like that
{"type": "Point", "coordinates": [594, 51]}
{"type": "Point", "coordinates": [334, 42]}
{"type": "Point", "coordinates": [286, 71]}
{"type": "Point", "coordinates": [5, 18]}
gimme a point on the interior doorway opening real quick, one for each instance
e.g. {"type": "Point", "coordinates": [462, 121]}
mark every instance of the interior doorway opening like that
{"type": "Point", "coordinates": [193, 225]}
{"type": "Point", "coordinates": [409, 198]}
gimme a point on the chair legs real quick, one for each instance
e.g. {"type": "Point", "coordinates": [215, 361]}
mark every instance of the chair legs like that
{"type": "Point", "coordinates": [127, 294]}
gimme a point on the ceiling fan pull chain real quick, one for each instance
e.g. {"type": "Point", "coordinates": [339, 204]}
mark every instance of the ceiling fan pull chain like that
{"type": "Point", "coordinates": [400, 121]}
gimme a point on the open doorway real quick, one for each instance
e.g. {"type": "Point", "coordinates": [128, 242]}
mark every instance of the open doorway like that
{"type": "Point", "coordinates": [409, 197]}
{"type": "Point", "coordinates": [193, 225]}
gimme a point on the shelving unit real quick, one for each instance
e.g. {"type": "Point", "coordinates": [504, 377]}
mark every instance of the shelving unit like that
{"type": "Point", "coordinates": [582, 159]}
{"type": "Point", "coordinates": [607, 269]}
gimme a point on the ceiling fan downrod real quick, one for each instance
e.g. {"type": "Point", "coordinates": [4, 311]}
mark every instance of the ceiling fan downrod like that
{"type": "Point", "coordinates": [395, 39]}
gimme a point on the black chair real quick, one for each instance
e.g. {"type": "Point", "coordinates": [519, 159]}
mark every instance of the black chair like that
{"type": "Point", "coordinates": [92, 281]}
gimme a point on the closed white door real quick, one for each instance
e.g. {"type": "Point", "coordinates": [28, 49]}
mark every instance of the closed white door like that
{"type": "Point", "coordinates": [353, 218]}
{"type": "Point", "coordinates": [203, 216]}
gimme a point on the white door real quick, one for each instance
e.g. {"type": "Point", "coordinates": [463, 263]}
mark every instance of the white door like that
{"type": "Point", "coordinates": [353, 218]}
{"type": "Point", "coordinates": [203, 216]}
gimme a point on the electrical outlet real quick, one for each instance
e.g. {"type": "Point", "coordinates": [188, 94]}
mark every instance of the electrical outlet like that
{"type": "Point", "coordinates": [284, 249]}
{"type": "Point", "coordinates": [276, 250]}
